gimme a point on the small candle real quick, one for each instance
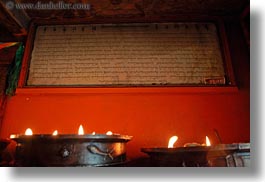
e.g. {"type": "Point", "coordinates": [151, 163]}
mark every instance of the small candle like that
{"type": "Point", "coordinates": [12, 136]}
{"type": "Point", "coordinates": [28, 132]}
{"type": "Point", "coordinates": [55, 132]}
{"type": "Point", "coordinates": [109, 133]}
{"type": "Point", "coordinates": [208, 143]}
{"type": "Point", "coordinates": [172, 141]}
{"type": "Point", "coordinates": [81, 130]}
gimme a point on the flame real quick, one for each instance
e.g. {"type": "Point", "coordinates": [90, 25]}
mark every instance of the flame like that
{"type": "Point", "coordinates": [12, 136]}
{"type": "Point", "coordinates": [55, 132]}
{"type": "Point", "coordinates": [109, 133]}
{"type": "Point", "coordinates": [93, 133]}
{"type": "Point", "coordinates": [208, 143]}
{"type": "Point", "coordinates": [171, 141]}
{"type": "Point", "coordinates": [28, 132]}
{"type": "Point", "coordinates": [80, 130]}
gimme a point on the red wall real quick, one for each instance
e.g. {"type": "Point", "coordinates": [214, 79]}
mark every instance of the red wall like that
{"type": "Point", "coordinates": [150, 117]}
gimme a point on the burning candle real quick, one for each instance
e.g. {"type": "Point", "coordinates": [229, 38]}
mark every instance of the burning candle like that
{"type": "Point", "coordinates": [55, 132]}
{"type": "Point", "coordinates": [12, 136]}
{"type": "Point", "coordinates": [93, 133]}
{"type": "Point", "coordinates": [28, 132]}
{"type": "Point", "coordinates": [81, 130]}
{"type": "Point", "coordinates": [208, 143]}
{"type": "Point", "coordinates": [172, 141]}
{"type": "Point", "coordinates": [109, 133]}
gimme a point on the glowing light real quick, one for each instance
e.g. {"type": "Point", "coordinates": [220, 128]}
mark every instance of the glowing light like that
{"type": "Point", "coordinates": [109, 133]}
{"type": "Point", "coordinates": [172, 141]}
{"type": "Point", "coordinates": [81, 130]}
{"type": "Point", "coordinates": [93, 133]}
{"type": "Point", "coordinates": [28, 132]}
{"type": "Point", "coordinates": [55, 132]}
{"type": "Point", "coordinates": [208, 143]}
{"type": "Point", "coordinates": [12, 136]}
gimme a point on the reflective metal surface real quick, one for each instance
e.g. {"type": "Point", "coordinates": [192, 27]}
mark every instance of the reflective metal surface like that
{"type": "Point", "coordinates": [222, 155]}
{"type": "Point", "coordinates": [71, 150]}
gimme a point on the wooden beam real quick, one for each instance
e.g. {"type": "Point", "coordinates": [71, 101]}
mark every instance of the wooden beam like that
{"type": "Point", "coordinates": [15, 20]}
{"type": "Point", "coordinates": [19, 15]}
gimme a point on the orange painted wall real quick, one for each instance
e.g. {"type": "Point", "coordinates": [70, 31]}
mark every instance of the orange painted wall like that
{"type": "Point", "coordinates": [151, 118]}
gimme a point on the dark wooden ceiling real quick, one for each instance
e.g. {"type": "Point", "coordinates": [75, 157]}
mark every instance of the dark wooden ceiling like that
{"type": "Point", "coordinates": [129, 8]}
{"type": "Point", "coordinates": [16, 20]}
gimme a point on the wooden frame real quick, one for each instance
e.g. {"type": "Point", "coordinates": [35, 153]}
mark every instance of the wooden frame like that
{"type": "Point", "coordinates": [217, 20]}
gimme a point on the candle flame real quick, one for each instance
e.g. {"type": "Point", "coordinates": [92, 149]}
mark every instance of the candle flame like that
{"type": "Point", "coordinates": [12, 136]}
{"type": "Point", "coordinates": [28, 132]}
{"type": "Point", "coordinates": [55, 132]}
{"type": "Point", "coordinates": [109, 133]}
{"type": "Point", "coordinates": [208, 143]}
{"type": "Point", "coordinates": [80, 130]}
{"type": "Point", "coordinates": [171, 141]}
{"type": "Point", "coordinates": [93, 133]}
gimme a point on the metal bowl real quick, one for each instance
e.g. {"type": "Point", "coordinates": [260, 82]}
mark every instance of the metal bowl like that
{"type": "Point", "coordinates": [71, 150]}
{"type": "Point", "coordinates": [217, 155]}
